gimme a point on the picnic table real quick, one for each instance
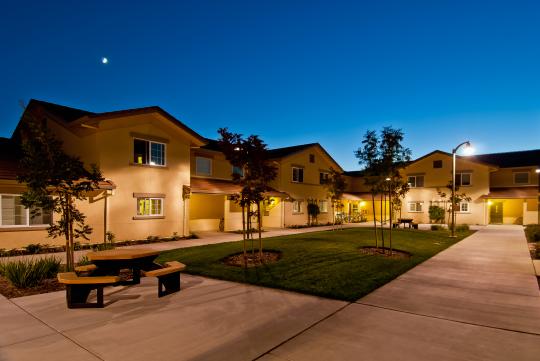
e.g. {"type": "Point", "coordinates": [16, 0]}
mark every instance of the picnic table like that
{"type": "Point", "coordinates": [404, 221]}
{"type": "Point", "coordinates": [110, 262]}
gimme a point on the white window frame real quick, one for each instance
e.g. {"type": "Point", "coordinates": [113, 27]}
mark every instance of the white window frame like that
{"type": "Point", "coordinates": [297, 207]}
{"type": "Point", "coordinates": [300, 169]}
{"type": "Point", "coordinates": [415, 181]}
{"type": "Point", "coordinates": [521, 183]}
{"type": "Point", "coordinates": [325, 177]}
{"type": "Point", "coordinates": [461, 204]}
{"type": "Point", "coordinates": [198, 172]}
{"type": "Point", "coordinates": [138, 199]}
{"type": "Point", "coordinates": [28, 216]}
{"type": "Point", "coordinates": [460, 175]}
{"type": "Point", "coordinates": [149, 160]}
{"type": "Point", "coordinates": [416, 204]}
{"type": "Point", "coordinates": [325, 208]}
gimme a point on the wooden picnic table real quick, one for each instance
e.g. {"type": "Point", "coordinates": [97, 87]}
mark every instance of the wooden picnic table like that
{"type": "Point", "coordinates": [110, 262]}
{"type": "Point", "coordinates": [405, 221]}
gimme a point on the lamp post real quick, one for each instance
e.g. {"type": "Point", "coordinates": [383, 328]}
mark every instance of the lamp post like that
{"type": "Point", "coordinates": [467, 145]}
{"type": "Point", "coordinates": [538, 200]}
{"type": "Point", "coordinates": [389, 180]}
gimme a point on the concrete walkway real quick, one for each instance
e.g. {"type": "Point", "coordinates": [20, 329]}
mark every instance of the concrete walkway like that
{"type": "Point", "coordinates": [478, 300]}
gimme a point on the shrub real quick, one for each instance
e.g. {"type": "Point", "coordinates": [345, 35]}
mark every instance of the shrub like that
{"type": "Point", "coordinates": [103, 246]}
{"type": "Point", "coordinates": [152, 238]}
{"type": "Point", "coordinates": [33, 248]}
{"type": "Point", "coordinates": [436, 227]}
{"type": "Point", "coordinates": [436, 214]}
{"type": "Point", "coordinates": [462, 228]}
{"type": "Point", "coordinates": [532, 231]}
{"type": "Point", "coordinates": [110, 236]}
{"type": "Point", "coordinates": [29, 272]}
{"type": "Point", "coordinates": [83, 261]}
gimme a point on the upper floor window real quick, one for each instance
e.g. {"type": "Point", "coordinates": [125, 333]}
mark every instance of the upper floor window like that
{"type": "Point", "coordinates": [463, 179]}
{"type": "Point", "coordinates": [437, 164]}
{"type": "Point", "coordinates": [312, 158]}
{"type": "Point", "coordinates": [203, 166]}
{"type": "Point", "coordinates": [297, 174]}
{"type": "Point", "coordinates": [149, 207]}
{"type": "Point", "coordinates": [521, 177]}
{"type": "Point", "coordinates": [148, 152]}
{"type": "Point", "coordinates": [323, 177]}
{"type": "Point", "coordinates": [238, 170]}
{"type": "Point", "coordinates": [415, 181]}
{"type": "Point", "coordinates": [13, 213]}
{"type": "Point", "coordinates": [415, 207]}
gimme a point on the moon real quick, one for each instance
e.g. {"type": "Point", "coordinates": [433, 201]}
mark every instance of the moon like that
{"type": "Point", "coordinates": [104, 60]}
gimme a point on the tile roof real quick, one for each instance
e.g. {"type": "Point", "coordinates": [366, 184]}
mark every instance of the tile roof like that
{"type": "Point", "coordinates": [286, 151]}
{"type": "Point", "coordinates": [67, 114]}
{"type": "Point", "coordinates": [524, 158]}
{"type": "Point", "coordinates": [511, 192]}
{"type": "Point", "coordinates": [223, 186]}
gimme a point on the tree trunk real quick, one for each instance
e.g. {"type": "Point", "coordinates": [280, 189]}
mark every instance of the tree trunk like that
{"type": "Point", "coordinates": [244, 233]}
{"type": "Point", "coordinates": [374, 220]}
{"type": "Point", "coordinates": [260, 230]}
{"type": "Point", "coordinates": [382, 228]}
{"type": "Point", "coordinates": [391, 211]}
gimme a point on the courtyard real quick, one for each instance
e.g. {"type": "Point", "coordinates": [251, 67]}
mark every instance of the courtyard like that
{"type": "Point", "coordinates": [478, 299]}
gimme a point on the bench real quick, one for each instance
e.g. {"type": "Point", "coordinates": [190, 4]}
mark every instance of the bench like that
{"type": "Point", "coordinates": [414, 225]}
{"type": "Point", "coordinates": [168, 277]}
{"type": "Point", "coordinates": [87, 268]}
{"type": "Point", "coordinates": [78, 288]}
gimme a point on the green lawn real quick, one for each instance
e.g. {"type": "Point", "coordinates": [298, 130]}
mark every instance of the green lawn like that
{"type": "Point", "coordinates": [324, 263]}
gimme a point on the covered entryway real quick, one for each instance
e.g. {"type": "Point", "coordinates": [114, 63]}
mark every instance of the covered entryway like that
{"type": "Point", "coordinates": [496, 212]}
{"type": "Point", "coordinates": [512, 205]}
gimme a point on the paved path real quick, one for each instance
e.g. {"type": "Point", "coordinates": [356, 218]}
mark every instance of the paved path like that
{"type": "Point", "coordinates": [477, 300]}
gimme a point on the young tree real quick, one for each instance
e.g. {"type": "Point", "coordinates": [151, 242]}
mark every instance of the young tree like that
{"type": "Point", "coordinates": [335, 186]}
{"type": "Point", "coordinates": [458, 198]}
{"type": "Point", "coordinates": [313, 212]}
{"type": "Point", "coordinates": [55, 181]}
{"type": "Point", "coordinates": [250, 155]}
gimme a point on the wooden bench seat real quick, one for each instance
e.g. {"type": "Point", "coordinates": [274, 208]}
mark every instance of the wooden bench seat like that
{"type": "Point", "coordinates": [78, 288]}
{"type": "Point", "coordinates": [168, 277]}
{"type": "Point", "coordinates": [88, 268]}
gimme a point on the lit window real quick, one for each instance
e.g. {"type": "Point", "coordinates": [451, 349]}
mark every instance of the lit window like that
{"type": "Point", "coordinates": [463, 179]}
{"type": "Point", "coordinates": [323, 206]}
{"type": "Point", "coordinates": [415, 206]}
{"type": "Point", "coordinates": [238, 170]}
{"type": "Point", "coordinates": [13, 213]}
{"type": "Point", "coordinates": [415, 181]}
{"type": "Point", "coordinates": [147, 152]}
{"type": "Point", "coordinates": [464, 207]}
{"type": "Point", "coordinates": [297, 207]}
{"type": "Point", "coordinates": [323, 177]}
{"type": "Point", "coordinates": [203, 166]}
{"type": "Point", "coordinates": [297, 175]}
{"type": "Point", "coordinates": [149, 206]}
{"type": "Point", "coordinates": [521, 178]}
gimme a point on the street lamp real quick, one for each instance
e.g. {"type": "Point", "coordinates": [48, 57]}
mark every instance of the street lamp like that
{"type": "Point", "coordinates": [469, 150]}
{"type": "Point", "coordinates": [538, 183]}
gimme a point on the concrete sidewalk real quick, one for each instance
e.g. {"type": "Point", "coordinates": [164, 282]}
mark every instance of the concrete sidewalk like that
{"type": "Point", "coordinates": [477, 300]}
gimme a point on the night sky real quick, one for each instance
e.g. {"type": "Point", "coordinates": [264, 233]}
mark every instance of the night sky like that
{"type": "Point", "coordinates": [291, 71]}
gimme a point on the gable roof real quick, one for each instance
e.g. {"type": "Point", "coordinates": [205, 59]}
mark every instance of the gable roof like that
{"type": "Point", "coordinates": [9, 158]}
{"type": "Point", "coordinates": [523, 158]}
{"type": "Point", "coordinates": [468, 158]}
{"type": "Point", "coordinates": [69, 115]}
{"type": "Point", "coordinates": [287, 151]}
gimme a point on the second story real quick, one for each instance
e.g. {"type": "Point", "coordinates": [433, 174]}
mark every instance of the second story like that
{"type": "Point", "coordinates": [515, 169]}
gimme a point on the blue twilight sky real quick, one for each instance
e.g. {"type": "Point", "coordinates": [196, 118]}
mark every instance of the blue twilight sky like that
{"type": "Point", "coordinates": [291, 71]}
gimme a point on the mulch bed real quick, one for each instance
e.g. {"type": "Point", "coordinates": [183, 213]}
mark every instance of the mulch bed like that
{"type": "Point", "coordinates": [253, 260]}
{"type": "Point", "coordinates": [385, 252]}
{"type": "Point", "coordinates": [10, 291]}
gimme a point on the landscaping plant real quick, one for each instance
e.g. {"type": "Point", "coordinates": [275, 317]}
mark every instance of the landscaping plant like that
{"type": "Point", "coordinates": [27, 273]}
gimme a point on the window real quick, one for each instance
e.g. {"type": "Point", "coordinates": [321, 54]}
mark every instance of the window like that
{"type": "Point", "coordinates": [464, 207]}
{"type": "Point", "coordinates": [312, 158]}
{"type": "Point", "coordinates": [147, 152]}
{"type": "Point", "coordinates": [437, 164]}
{"type": "Point", "coordinates": [415, 181]}
{"type": "Point", "coordinates": [415, 206]}
{"type": "Point", "coordinates": [297, 175]}
{"type": "Point", "coordinates": [323, 206]}
{"type": "Point", "coordinates": [13, 213]}
{"type": "Point", "coordinates": [238, 170]}
{"type": "Point", "coordinates": [354, 208]}
{"type": "Point", "coordinates": [203, 166]}
{"type": "Point", "coordinates": [463, 179]}
{"type": "Point", "coordinates": [149, 207]}
{"type": "Point", "coordinates": [297, 207]}
{"type": "Point", "coordinates": [521, 178]}
{"type": "Point", "coordinates": [323, 177]}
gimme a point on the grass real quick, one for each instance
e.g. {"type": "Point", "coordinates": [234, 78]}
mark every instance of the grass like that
{"type": "Point", "coordinates": [324, 263]}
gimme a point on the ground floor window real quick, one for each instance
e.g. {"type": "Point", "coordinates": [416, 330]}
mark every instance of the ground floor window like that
{"type": "Point", "coordinates": [297, 207]}
{"type": "Point", "coordinates": [323, 206]}
{"type": "Point", "coordinates": [149, 207]}
{"type": "Point", "coordinates": [13, 213]}
{"type": "Point", "coordinates": [415, 206]}
{"type": "Point", "coordinates": [464, 207]}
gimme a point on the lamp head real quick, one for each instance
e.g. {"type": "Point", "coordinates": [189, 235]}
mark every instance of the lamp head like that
{"type": "Point", "coordinates": [468, 149]}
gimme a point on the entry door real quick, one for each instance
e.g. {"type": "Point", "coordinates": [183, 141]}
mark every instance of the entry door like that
{"type": "Point", "coordinates": [496, 212]}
